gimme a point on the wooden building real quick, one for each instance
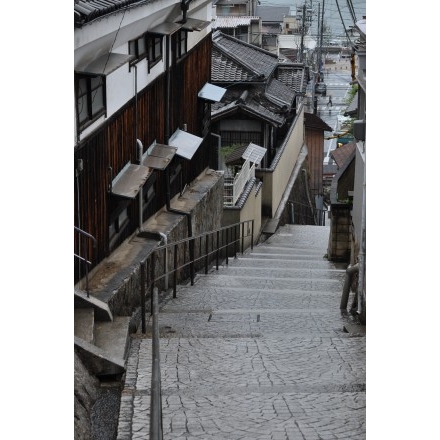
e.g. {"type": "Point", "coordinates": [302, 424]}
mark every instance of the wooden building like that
{"type": "Point", "coordinates": [142, 115]}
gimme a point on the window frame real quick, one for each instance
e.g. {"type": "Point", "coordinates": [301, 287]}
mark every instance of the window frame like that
{"type": "Point", "coordinates": [138, 54]}
{"type": "Point", "coordinates": [92, 114]}
{"type": "Point", "coordinates": [180, 37]}
{"type": "Point", "coordinates": [153, 42]}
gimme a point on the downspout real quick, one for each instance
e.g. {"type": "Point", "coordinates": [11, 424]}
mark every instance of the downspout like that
{"type": "Point", "coordinates": [141, 192]}
{"type": "Point", "coordinates": [167, 139]}
{"type": "Point", "coordinates": [306, 180]}
{"type": "Point", "coordinates": [139, 145]}
{"type": "Point", "coordinates": [219, 146]}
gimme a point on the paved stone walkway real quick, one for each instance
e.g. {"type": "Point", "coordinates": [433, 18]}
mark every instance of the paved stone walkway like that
{"type": "Point", "coordinates": [255, 350]}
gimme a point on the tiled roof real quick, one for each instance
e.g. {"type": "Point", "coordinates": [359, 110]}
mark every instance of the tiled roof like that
{"type": "Point", "coordinates": [88, 10]}
{"type": "Point", "coordinates": [251, 100]}
{"type": "Point", "coordinates": [279, 92]}
{"type": "Point", "coordinates": [342, 154]}
{"type": "Point", "coordinates": [229, 21]}
{"type": "Point", "coordinates": [224, 69]}
{"type": "Point", "coordinates": [259, 83]}
{"type": "Point", "coordinates": [314, 121]}
{"type": "Point", "coordinates": [293, 75]}
{"type": "Point", "coordinates": [258, 61]}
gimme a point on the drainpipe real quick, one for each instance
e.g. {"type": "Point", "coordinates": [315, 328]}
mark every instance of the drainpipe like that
{"type": "Point", "coordinates": [308, 195]}
{"type": "Point", "coordinates": [351, 270]}
{"type": "Point", "coordinates": [141, 149]}
{"type": "Point", "coordinates": [167, 139]}
{"type": "Point", "coordinates": [219, 146]}
{"type": "Point", "coordinates": [165, 242]}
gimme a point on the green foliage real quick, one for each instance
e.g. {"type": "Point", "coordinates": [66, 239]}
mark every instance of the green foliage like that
{"type": "Point", "coordinates": [351, 93]}
{"type": "Point", "coordinates": [228, 149]}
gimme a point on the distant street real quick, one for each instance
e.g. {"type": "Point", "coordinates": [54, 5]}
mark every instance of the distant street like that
{"type": "Point", "coordinates": [337, 76]}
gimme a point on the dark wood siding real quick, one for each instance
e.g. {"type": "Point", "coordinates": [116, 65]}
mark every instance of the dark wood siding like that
{"type": "Point", "coordinates": [114, 144]}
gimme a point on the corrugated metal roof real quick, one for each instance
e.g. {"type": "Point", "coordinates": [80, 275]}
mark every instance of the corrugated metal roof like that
{"type": "Point", "coordinates": [130, 180]}
{"type": "Point", "coordinates": [186, 143]}
{"type": "Point", "coordinates": [229, 21]}
{"type": "Point", "coordinates": [272, 13]}
{"type": "Point", "coordinates": [159, 156]}
{"type": "Point", "coordinates": [254, 153]}
{"type": "Point", "coordinates": [211, 92]}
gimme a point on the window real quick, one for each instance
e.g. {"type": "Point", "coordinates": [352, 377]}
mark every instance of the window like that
{"type": "Point", "coordinates": [180, 44]}
{"type": "Point", "coordinates": [138, 48]}
{"type": "Point", "coordinates": [119, 220]}
{"type": "Point", "coordinates": [154, 44]}
{"type": "Point", "coordinates": [90, 98]}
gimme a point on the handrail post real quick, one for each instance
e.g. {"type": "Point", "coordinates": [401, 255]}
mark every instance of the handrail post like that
{"type": "Point", "coordinates": [252, 235]}
{"type": "Point", "coordinates": [206, 253]}
{"type": "Point", "coordinates": [242, 238]}
{"type": "Point", "coordinates": [217, 252]}
{"type": "Point", "coordinates": [191, 256]}
{"type": "Point", "coordinates": [156, 428]}
{"type": "Point", "coordinates": [143, 282]}
{"type": "Point", "coordinates": [227, 246]}
{"type": "Point", "coordinates": [153, 274]}
{"type": "Point", "coordinates": [175, 272]}
{"type": "Point", "coordinates": [235, 241]}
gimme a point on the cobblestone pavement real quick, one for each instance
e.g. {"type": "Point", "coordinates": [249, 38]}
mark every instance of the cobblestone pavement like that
{"type": "Point", "coordinates": [255, 350]}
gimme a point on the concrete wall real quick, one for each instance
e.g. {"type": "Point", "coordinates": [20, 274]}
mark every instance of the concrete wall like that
{"type": "Point", "coordinates": [358, 189]}
{"type": "Point", "coordinates": [276, 177]}
{"type": "Point", "coordinates": [251, 209]}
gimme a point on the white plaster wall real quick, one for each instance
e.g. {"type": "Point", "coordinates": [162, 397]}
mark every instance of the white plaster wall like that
{"type": "Point", "coordinates": [279, 178]}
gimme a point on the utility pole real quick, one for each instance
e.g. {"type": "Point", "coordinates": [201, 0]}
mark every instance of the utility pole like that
{"type": "Point", "coordinates": [321, 38]}
{"type": "Point", "coordinates": [302, 33]}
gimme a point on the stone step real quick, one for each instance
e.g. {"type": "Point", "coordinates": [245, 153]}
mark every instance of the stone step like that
{"type": "Point", "coordinates": [273, 261]}
{"type": "Point", "coordinates": [210, 298]}
{"type": "Point", "coordinates": [102, 310]}
{"type": "Point", "coordinates": [277, 282]}
{"type": "Point", "coordinates": [114, 337]}
{"type": "Point", "coordinates": [275, 271]}
{"type": "Point", "coordinates": [84, 323]}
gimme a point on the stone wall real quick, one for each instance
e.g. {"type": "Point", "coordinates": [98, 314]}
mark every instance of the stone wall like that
{"type": "Point", "coordinates": [340, 233]}
{"type": "Point", "coordinates": [86, 391]}
{"type": "Point", "coordinates": [204, 201]}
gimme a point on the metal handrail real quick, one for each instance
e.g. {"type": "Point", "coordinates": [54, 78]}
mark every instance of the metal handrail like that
{"type": "Point", "coordinates": [226, 241]}
{"type": "Point", "coordinates": [156, 428]}
{"type": "Point", "coordinates": [85, 258]}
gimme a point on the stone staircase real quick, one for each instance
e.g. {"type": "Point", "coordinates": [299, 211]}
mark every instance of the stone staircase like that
{"type": "Point", "coordinates": [258, 349]}
{"type": "Point", "coordinates": [101, 340]}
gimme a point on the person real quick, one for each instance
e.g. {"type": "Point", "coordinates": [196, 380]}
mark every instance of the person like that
{"type": "Point", "coordinates": [330, 103]}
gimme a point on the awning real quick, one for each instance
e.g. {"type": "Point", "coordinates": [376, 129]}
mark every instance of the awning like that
{"type": "Point", "coordinates": [159, 157]}
{"type": "Point", "coordinates": [254, 153]}
{"type": "Point", "coordinates": [192, 24]}
{"type": "Point", "coordinates": [211, 92]}
{"type": "Point", "coordinates": [130, 180]}
{"type": "Point", "coordinates": [186, 143]}
{"type": "Point", "coordinates": [166, 28]}
{"type": "Point", "coordinates": [105, 64]}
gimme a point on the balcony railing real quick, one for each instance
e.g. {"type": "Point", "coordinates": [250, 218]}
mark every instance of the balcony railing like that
{"type": "Point", "coordinates": [234, 186]}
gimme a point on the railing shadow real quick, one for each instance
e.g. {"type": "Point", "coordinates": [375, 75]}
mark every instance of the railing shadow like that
{"type": "Point", "coordinates": [180, 260]}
